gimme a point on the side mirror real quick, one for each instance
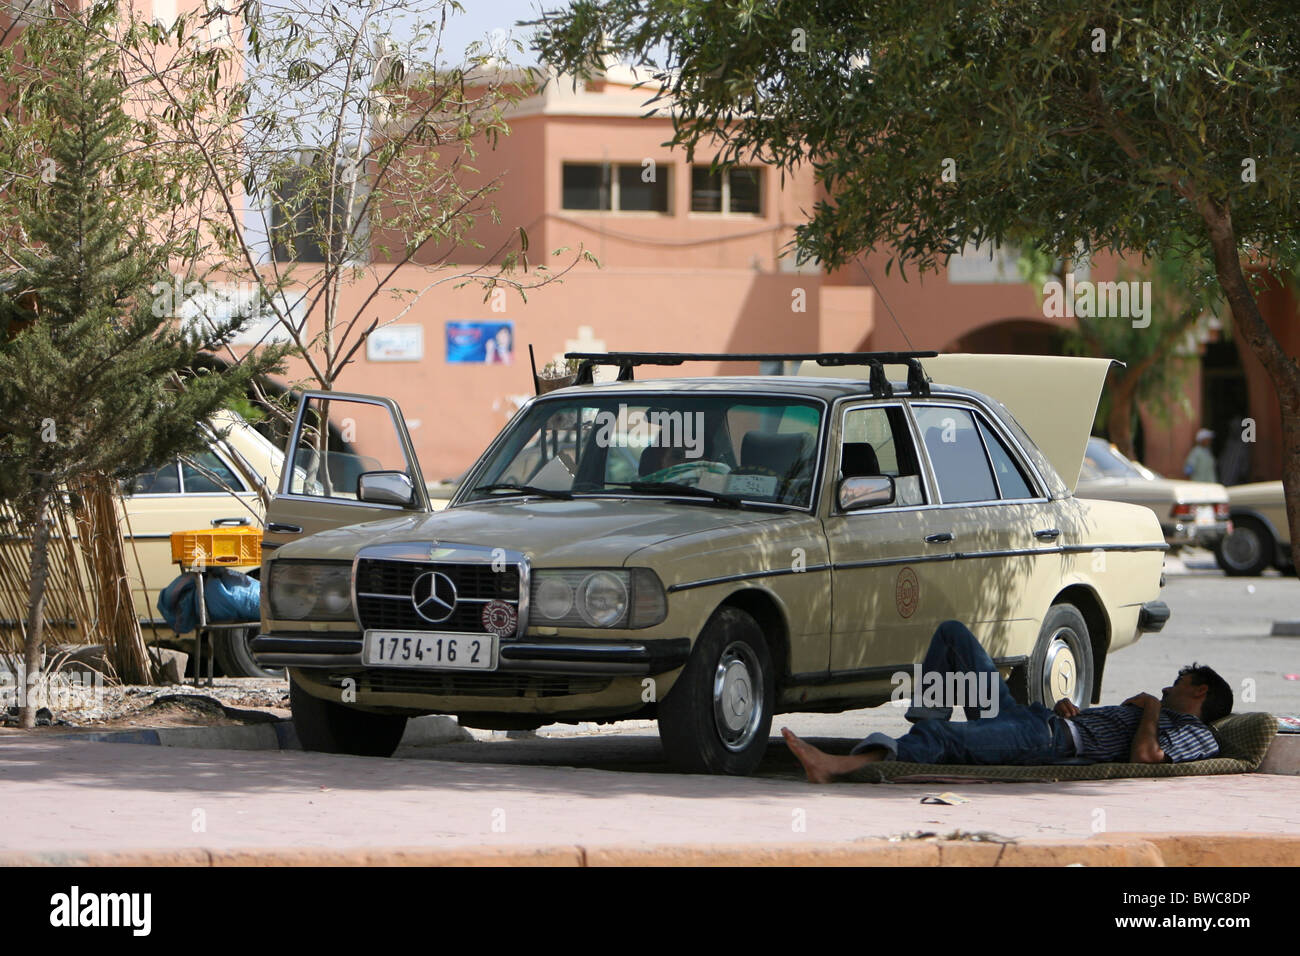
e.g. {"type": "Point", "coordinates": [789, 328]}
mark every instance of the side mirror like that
{"type": "Point", "coordinates": [869, 492]}
{"type": "Point", "coordinates": [385, 488]}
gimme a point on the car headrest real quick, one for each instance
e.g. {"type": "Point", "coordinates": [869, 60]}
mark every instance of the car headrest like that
{"type": "Point", "coordinates": [859, 460]}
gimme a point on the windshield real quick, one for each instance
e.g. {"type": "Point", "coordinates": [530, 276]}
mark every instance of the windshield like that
{"type": "Point", "coordinates": [1103, 461]}
{"type": "Point", "coordinates": [726, 448]}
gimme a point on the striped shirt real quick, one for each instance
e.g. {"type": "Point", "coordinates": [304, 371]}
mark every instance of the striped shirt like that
{"type": "Point", "coordinates": [1105, 734]}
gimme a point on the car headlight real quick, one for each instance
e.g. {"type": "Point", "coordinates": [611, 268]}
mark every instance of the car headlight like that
{"type": "Point", "coordinates": [598, 597]}
{"type": "Point", "coordinates": [311, 591]}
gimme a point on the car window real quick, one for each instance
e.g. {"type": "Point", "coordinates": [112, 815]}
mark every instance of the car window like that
{"type": "Point", "coordinates": [956, 453]}
{"type": "Point", "coordinates": [206, 473]}
{"type": "Point", "coordinates": [161, 481]}
{"type": "Point", "coordinates": [876, 441]}
{"type": "Point", "coordinates": [340, 440]}
{"type": "Point", "coordinates": [1103, 461]}
{"type": "Point", "coordinates": [758, 449]}
{"type": "Point", "coordinates": [1011, 480]}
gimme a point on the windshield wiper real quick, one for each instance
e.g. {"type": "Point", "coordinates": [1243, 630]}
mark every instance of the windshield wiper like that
{"type": "Point", "coordinates": [673, 487]}
{"type": "Point", "coordinates": [527, 490]}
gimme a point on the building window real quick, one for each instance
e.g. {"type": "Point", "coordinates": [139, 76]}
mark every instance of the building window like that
{"type": "Point", "coordinates": [300, 205]}
{"type": "Point", "coordinates": [620, 187]}
{"type": "Point", "coordinates": [736, 189]}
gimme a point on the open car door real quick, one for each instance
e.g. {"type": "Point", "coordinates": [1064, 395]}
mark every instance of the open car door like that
{"type": "Point", "coordinates": [349, 459]}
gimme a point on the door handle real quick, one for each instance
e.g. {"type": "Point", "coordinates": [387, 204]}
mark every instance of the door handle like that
{"type": "Point", "coordinates": [1047, 534]}
{"type": "Point", "coordinates": [941, 537]}
{"type": "Point", "coordinates": [276, 528]}
{"type": "Point", "coordinates": [221, 522]}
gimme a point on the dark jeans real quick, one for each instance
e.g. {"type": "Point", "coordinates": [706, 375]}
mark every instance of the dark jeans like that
{"type": "Point", "coordinates": [1017, 734]}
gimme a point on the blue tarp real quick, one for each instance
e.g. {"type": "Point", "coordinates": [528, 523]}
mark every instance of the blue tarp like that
{"type": "Point", "coordinates": [230, 595]}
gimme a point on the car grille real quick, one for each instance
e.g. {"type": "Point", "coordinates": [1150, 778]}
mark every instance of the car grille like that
{"type": "Point", "coordinates": [476, 584]}
{"type": "Point", "coordinates": [472, 685]}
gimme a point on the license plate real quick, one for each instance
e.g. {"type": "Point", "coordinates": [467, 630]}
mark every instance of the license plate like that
{"type": "Point", "coordinates": [432, 650]}
{"type": "Point", "coordinates": [1205, 514]}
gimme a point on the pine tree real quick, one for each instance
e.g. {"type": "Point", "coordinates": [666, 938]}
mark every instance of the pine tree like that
{"type": "Point", "coordinates": [93, 377]}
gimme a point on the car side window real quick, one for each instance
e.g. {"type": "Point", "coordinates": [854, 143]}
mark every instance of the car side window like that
{"type": "Point", "coordinates": [876, 441]}
{"type": "Point", "coordinates": [339, 440]}
{"type": "Point", "coordinates": [205, 473]}
{"type": "Point", "coordinates": [957, 454]}
{"type": "Point", "coordinates": [1011, 480]}
{"type": "Point", "coordinates": [161, 481]}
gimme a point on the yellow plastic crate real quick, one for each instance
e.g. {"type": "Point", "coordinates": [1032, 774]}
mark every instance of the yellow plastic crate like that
{"type": "Point", "coordinates": [218, 547]}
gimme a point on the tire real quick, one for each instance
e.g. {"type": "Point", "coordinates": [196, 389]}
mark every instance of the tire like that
{"type": "Point", "coordinates": [235, 657]}
{"type": "Point", "coordinates": [718, 715]}
{"type": "Point", "coordinates": [1247, 551]}
{"type": "Point", "coordinates": [1061, 664]}
{"type": "Point", "coordinates": [330, 728]}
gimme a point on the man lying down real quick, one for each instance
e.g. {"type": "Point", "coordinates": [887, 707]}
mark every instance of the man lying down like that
{"type": "Point", "coordinates": [1143, 729]}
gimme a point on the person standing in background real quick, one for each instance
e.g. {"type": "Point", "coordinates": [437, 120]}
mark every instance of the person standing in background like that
{"type": "Point", "coordinates": [1199, 465]}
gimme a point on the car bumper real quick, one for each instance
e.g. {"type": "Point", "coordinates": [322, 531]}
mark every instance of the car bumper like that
{"type": "Point", "coordinates": [1191, 534]}
{"type": "Point", "coordinates": [1152, 617]}
{"type": "Point", "coordinates": [520, 656]}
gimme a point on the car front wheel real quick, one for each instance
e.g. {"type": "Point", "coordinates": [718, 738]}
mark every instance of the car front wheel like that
{"type": "Point", "coordinates": [331, 728]}
{"type": "Point", "coordinates": [1061, 663]}
{"type": "Point", "coordinates": [1247, 551]}
{"type": "Point", "coordinates": [718, 715]}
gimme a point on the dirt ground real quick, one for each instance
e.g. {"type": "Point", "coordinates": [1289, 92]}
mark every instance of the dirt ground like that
{"type": "Point", "coordinates": [230, 701]}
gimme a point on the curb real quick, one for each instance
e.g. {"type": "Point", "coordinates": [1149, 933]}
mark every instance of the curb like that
{"type": "Point", "coordinates": [1116, 849]}
{"type": "Point", "coordinates": [275, 734]}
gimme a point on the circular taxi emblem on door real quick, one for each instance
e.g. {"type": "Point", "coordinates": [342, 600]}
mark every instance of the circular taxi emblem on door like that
{"type": "Point", "coordinates": [434, 596]}
{"type": "Point", "coordinates": [907, 592]}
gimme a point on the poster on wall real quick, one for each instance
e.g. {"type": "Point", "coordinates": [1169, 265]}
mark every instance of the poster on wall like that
{"type": "Point", "coordinates": [487, 343]}
{"type": "Point", "coordinates": [396, 343]}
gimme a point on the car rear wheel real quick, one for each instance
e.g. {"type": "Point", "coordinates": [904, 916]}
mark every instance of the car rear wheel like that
{"type": "Point", "coordinates": [718, 715]}
{"type": "Point", "coordinates": [1061, 663]}
{"type": "Point", "coordinates": [327, 727]}
{"type": "Point", "coordinates": [1247, 551]}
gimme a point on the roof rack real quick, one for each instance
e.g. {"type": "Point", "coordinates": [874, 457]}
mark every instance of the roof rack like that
{"type": "Point", "coordinates": [917, 381]}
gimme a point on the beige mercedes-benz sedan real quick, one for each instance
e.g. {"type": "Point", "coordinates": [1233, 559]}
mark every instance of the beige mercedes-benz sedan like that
{"type": "Point", "coordinates": [704, 551]}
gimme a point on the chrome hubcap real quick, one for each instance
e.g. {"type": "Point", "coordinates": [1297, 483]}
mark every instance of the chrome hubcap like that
{"type": "Point", "coordinates": [737, 696]}
{"type": "Point", "coordinates": [1061, 668]}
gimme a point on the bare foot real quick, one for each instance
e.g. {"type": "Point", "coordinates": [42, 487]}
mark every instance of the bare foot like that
{"type": "Point", "coordinates": [816, 763]}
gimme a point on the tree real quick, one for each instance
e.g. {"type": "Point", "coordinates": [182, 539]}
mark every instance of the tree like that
{"type": "Point", "coordinates": [1105, 124]}
{"type": "Point", "coordinates": [94, 378]}
{"type": "Point", "coordinates": [340, 157]}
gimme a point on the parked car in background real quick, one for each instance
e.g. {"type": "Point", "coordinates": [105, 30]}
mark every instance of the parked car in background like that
{"type": "Point", "coordinates": [1191, 513]}
{"type": "Point", "coordinates": [223, 485]}
{"type": "Point", "coordinates": [708, 552]}
{"type": "Point", "coordinates": [1260, 536]}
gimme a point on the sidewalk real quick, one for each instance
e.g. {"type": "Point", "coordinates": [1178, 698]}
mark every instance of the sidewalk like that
{"type": "Point", "coordinates": [81, 801]}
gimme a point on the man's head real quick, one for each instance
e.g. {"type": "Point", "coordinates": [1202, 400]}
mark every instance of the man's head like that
{"type": "Point", "coordinates": [1204, 437]}
{"type": "Point", "coordinates": [1200, 691]}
